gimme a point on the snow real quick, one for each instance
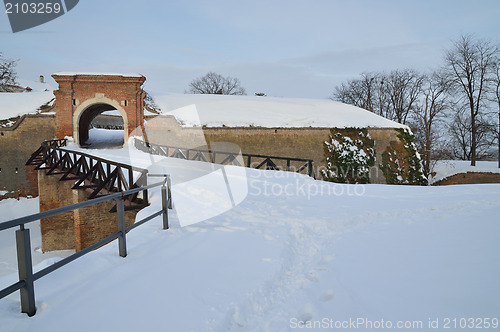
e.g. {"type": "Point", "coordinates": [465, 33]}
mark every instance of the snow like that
{"type": "Point", "coordinates": [15, 104]}
{"type": "Point", "coordinates": [98, 74]}
{"type": "Point", "coordinates": [269, 112]}
{"type": "Point", "coordinates": [294, 251]}
{"type": "Point", "coordinates": [111, 113]}
{"type": "Point", "coordinates": [10, 209]}
{"type": "Point", "coordinates": [101, 138]}
{"type": "Point", "coordinates": [36, 86]}
{"type": "Point", "coordinates": [446, 168]}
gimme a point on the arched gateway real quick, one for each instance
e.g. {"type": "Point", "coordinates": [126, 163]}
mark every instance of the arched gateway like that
{"type": "Point", "coordinates": [83, 96]}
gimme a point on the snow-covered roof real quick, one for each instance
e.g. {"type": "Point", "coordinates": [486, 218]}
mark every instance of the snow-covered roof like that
{"type": "Point", "coordinates": [269, 112]}
{"type": "Point", "coordinates": [15, 104]}
{"type": "Point", "coordinates": [35, 86]}
{"type": "Point", "coordinates": [98, 74]}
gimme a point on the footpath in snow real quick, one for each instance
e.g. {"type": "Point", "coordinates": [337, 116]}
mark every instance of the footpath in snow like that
{"type": "Point", "coordinates": [293, 253]}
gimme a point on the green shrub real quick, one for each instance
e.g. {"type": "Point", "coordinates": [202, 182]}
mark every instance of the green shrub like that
{"type": "Point", "coordinates": [349, 154]}
{"type": "Point", "coordinates": [401, 162]}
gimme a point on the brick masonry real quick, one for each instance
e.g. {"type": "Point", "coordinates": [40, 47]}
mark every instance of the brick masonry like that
{"type": "Point", "coordinates": [78, 93]}
{"type": "Point", "coordinates": [57, 232]}
{"type": "Point", "coordinates": [469, 178]}
{"type": "Point", "coordinates": [76, 229]}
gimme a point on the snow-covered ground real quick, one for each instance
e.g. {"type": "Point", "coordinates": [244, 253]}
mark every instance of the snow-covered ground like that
{"type": "Point", "coordinates": [446, 168]}
{"type": "Point", "coordinates": [11, 209]}
{"type": "Point", "coordinates": [294, 252]}
{"type": "Point", "coordinates": [103, 138]}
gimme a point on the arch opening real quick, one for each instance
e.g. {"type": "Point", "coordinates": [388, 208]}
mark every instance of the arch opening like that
{"type": "Point", "coordinates": [101, 126]}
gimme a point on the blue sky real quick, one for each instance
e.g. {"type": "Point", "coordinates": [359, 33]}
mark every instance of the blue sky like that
{"type": "Point", "coordinates": [282, 48]}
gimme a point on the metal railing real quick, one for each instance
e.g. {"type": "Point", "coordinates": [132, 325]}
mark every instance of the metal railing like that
{"type": "Point", "coordinates": [259, 161]}
{"type": "Point", "coordinates": [24, 260]}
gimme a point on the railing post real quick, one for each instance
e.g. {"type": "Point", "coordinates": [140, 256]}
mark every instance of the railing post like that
{"type": "Point", "coordinates": [164, 203]}
{"type": "Point", "coordinates": [169, 186]}
{"type": "Point", "coordinates": [25, 270]}
{"type": "Point", "coordinates": [311, 169]}
{"type": "Point", "coordinates": [144, 182]}
{"type": "Point", "coordinates": [120, 218]}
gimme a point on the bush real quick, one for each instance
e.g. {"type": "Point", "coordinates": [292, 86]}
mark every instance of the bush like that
{"type": "Point", "coordinates": [401, 162]}
{"type": "Point", "coordinates": [349, 155]}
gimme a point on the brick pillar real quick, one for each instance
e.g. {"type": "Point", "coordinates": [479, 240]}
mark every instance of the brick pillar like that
{"type": "Point", "coordinates": [94, 223]}
{"type": "Point", "coordinates": [76, 229]}
{"type": "Point", "coordinates": [57, 232]}
{"type": "Point", "coordinates": [64, 109]}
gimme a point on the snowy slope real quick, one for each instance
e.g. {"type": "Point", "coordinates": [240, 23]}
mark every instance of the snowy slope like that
{"type": "Point", "coordinates": [15, 104]}
{"type": "Point", "coordinates": [10, 209]}
{"type": "Point", "coordinates": [236, 111]}
{"type": "Point", "coordinates": [295, 250]}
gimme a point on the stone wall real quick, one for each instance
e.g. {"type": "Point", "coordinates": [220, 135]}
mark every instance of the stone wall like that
{"type": "Point", "coordinates": [17, 143]}
{"type": "Point", "coordinates": [304, 143]}
{"type": "Point", "coordinates": [21, 140]}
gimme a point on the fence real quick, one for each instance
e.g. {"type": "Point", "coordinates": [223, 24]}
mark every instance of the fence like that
{"type": "Point", "coordinates": [25, 268]}
{"type": "Point", "coordinates": [221, 157]}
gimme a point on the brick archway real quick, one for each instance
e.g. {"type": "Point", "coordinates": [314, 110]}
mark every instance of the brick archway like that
{"type": "Point", "coordinates": [80, 97]}
{"type": "Point", "coordinates": [87, 111]}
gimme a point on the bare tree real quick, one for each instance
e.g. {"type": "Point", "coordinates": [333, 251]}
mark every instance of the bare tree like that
{"type": "Point", "coordinates": [403, 88]}
{"type": "Point", "coordinates": [469, 68]}
{"type": "Point", "coordinates": [461, 135]}
{"type": "Point", "coordinates": [7, 74]}
{"type": "Point", "coordinates": [426, 114]}
{"type": "Point", "coordinates": [366, 92]}
{"type": "Point", "coordinates": [390, 95]}
{"type": "Point", "coordinates": [496, 81]}
{"type": "Point", "coordinates": [213, 83]}
{"type": "Point", "coordinates": [357, 92]}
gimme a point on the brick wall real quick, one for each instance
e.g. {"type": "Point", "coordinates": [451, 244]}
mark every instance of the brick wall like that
{"type": "Point", "coordinates": [77, 89]}
{"type": "Point", "coordinates": [76, 229]}
{"type": "Point", "coordinates": [469, 178]}
{"type": "Point", "coordinates": [57, 232]}
{"type": "Point", "coordinates": [94, 223]}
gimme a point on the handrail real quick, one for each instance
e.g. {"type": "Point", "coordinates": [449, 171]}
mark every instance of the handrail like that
{"type": "Point", "coordinates": [268, 163]}
{"type": "Point", "coordinates": [25, 269]}
{"type": "Point", "coordinates": [50, 213]}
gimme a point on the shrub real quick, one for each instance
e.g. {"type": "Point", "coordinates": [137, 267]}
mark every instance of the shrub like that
{"type": "Point", "coordinates": [349, 155]}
